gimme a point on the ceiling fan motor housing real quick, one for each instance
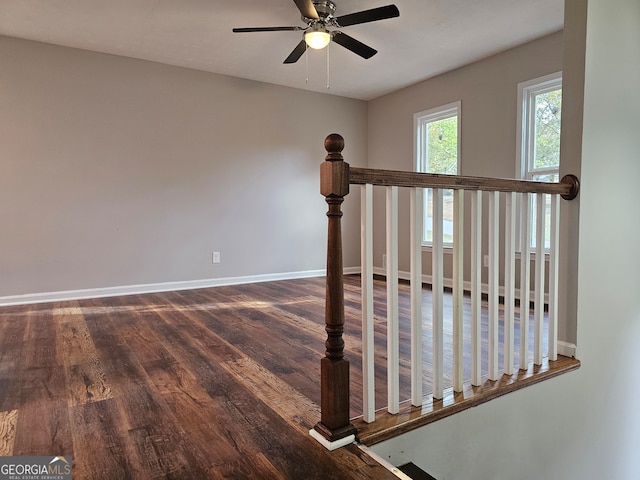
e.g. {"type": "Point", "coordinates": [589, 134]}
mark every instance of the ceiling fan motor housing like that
{"type": "Point", "coordinates": [326, 11]}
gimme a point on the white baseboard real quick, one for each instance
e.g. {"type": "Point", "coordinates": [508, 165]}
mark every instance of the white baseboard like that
{"type": "Point", "coordinates": [567, 349]}
{"type": "Point", "coordinates": [448, 282]}
{"type": "Point", "coordinates": [158, 287]}
{"type": "Point", "coordinates": [61, 296]}
{"type": "Point", "coordinates": [350, 271]}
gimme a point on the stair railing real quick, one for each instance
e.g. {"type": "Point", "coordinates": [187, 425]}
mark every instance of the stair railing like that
{"type": "Point", "coordinates": [335, 428]}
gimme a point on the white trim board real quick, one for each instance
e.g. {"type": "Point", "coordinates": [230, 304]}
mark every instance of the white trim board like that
{"type": "Point", "coordinates": [331, 446]}
{"type": "Point", "coordinates": [65, 295]}
{"type": "Point", "coordinates": [448, 282]}
{"type": "Point", "coordinates": [159, 287]}
{"type": "Point", "coordinates": [567, 349]}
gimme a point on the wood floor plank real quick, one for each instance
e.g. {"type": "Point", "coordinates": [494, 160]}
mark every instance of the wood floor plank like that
{"type": "Point", "coordinates": [86, 379]}
{"type": "Point", "coordinates": [201, 418]}
{"type": "Point", "coordinates": [207, 422]}
{"type": "Point", "coordinates": [151, 427]}
{"type": "Point", "coordinates": [13, 328]}
{"type": "Point", "coordinates": [296, 409]}
{"type": "Point", "coordinates": [7, 432]}
{"type": "Point", "coordinates": [255, 466]}
{"type": "Point", "coordinates": [293, 407]}
{"type": "Point", "coordinates": [234, 405]}
{"type": "Point", "coordinates": [266, 335]}
{"type": "Point", "coordinates": [255, 416]}
{"type": "Point", "coordinates": [40, 339]}
{"type": "Point", "coordinates": [87, 382]}
{"type": "Point", "coordinates": [74, 342]}
{"type": "Point", "coordinates": [43, 422]}
{"type": "Point", "coordinates": [164, 455]}
{"type": "Point", "coordinates": [100, 446]}
{"type": "Point", "coordinates": [285, 335]}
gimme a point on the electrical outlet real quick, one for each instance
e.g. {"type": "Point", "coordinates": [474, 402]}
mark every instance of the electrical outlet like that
{"type": "Point", "coordinates": [486, 261]}
{"type": "Point", "coordinates": [215, 257]}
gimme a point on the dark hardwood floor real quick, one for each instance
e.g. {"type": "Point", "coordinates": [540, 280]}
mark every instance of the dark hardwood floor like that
{"type": "Point", "coordinates": [212, 383]}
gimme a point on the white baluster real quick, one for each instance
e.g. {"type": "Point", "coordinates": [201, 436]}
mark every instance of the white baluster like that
{"type": "Point", "coordinates": [476, 288]}
{"type": "Point", "coordinates": [368, 371]}
{"type": "Point", "coordinates": [458, 290]}
{"type": "Point", "coordinates": [393, 361]}
{"type": "Point", "coordinates": [538, 316]}
{"type": "Point", "coordinates": [509, 280]}
{"type": "Point", "coordinates": [493, 252]}
{"type": "Point", "coordinates": [437, 295]}
{"type": "Point", "coordinates": [417, 223]}
{"type": "Point", "coordinates": [525, 278]}
{"type": "Point", "coordinates": [553, 277]}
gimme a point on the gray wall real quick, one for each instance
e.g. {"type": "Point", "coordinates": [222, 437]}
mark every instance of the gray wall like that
{"type": "Point", "coordinates": [584, 424]}
{"type": "Point", "coordinates": [120, 172]}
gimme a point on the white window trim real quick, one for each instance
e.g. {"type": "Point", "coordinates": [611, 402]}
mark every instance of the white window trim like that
{"type": "Point", "coordinates": [524, 145]}
{"type": "Point", "coordinates": [419, 120]}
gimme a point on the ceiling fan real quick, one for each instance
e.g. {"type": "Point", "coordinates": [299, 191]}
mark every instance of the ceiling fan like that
{"type": "Point", "coordinates": [319, 15]}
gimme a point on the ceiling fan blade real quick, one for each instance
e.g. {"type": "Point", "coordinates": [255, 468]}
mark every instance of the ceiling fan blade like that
{"type": "Point", "coordinates": [373, 15]}
{"type": "Point", "coordinates": [354, 45]}
{"type": "Point", "coordinates": [306, 8]}
{"type": "Point", "coordinates": [267, 29]}
{"type": "Point", "coordinates": [297, 52]}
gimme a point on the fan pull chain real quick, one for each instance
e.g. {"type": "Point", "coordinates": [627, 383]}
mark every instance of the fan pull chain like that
{"type": "Point", "coordinates": [306, 62]}
{"type": "Point", "coordinates": [328, 76]}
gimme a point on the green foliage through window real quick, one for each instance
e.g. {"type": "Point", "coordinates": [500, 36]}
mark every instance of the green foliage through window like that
{"type": "Point", "coordinates": [437, 135]}
{"type": "Point", "coordinates": [442, 146]}
{"type": "Point", "coordinates": [548, 109]}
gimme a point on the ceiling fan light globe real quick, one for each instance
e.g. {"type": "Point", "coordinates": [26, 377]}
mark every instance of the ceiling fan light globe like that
{"type": "Point", "coordinates": [317, 40]}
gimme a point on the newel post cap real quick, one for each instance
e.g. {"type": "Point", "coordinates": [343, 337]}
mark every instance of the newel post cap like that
{"type": "Point", "coordinates": [334, 171]}
{"type": "Point", "coordinates": [334, 144]}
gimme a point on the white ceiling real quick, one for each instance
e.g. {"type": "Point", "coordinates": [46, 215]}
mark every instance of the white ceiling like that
{"type": "Point", "coordinates": [430, 36]}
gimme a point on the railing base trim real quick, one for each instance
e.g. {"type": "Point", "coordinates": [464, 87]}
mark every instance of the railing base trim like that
{"type": "Point", "coordinates": [332, 445]}
{"type": "Point", "coordinates": [387, 426]}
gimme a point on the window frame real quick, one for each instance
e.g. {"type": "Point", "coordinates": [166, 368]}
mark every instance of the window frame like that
{"type": "Point", "coordinates": [525, 141]}
{"type": "Point", "coordinates": [420, 121]}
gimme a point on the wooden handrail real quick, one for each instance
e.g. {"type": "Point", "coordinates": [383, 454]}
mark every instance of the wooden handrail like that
{"type": "Point", "coordinates": [568, 186]}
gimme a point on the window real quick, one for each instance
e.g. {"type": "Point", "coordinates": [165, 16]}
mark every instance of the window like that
{"type": "Point", "coordinates": [437, 146]}
{"type": "Point", "coordinates": [539, 115]}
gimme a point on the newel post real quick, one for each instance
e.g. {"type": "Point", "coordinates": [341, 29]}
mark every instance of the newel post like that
{"type": "Point", "coordinates": [334, 429]}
